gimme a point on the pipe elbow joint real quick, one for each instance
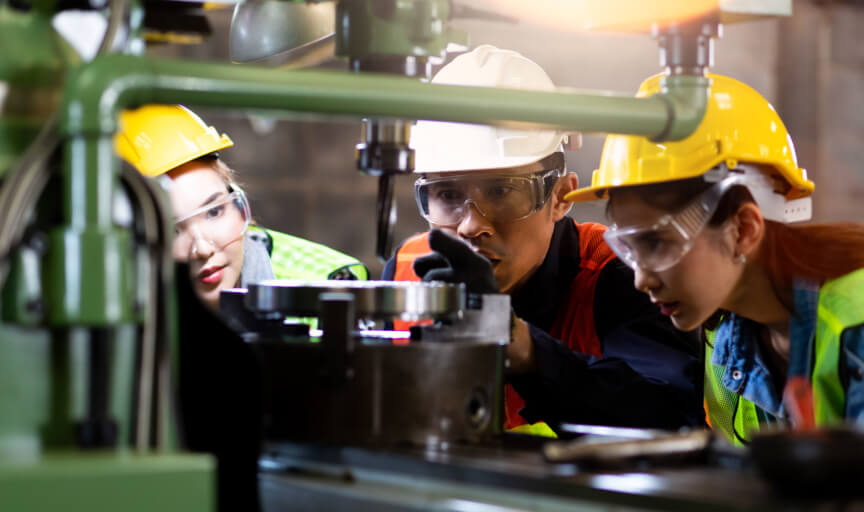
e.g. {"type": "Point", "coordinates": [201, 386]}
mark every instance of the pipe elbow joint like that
{"type": "Point", "coordinates": [96, 90]}
{"type": "Point", "coordinates": [686, 99]}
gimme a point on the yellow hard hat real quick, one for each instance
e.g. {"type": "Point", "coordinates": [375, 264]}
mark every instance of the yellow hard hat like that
{"type": "Point", "coordinates": [157, 138]}
{"type": "Point", "coordinates": [739, 126]}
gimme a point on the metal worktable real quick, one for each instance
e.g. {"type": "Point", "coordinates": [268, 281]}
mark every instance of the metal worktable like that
{"type": "Point", "coordinates": [486, 478]}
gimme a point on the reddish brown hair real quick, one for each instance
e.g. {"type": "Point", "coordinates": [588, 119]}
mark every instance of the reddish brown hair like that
{"type": "Point", "coordinates": [816, 252]}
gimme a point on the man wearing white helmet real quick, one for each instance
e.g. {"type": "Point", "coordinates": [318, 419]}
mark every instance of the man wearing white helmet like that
{"type": "Point", "coordinates": [585, 347]}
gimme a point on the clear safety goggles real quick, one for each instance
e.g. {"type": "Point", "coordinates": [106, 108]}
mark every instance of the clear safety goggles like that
{"type": "Point", "coordinates": [499, 198]}
{"type": "Point", "coordinates": [661, 245]}
{"type": "Point", "coordinates": [218, 223]}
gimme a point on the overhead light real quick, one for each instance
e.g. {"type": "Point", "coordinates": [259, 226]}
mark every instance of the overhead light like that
{"type": "Point", "coordinates": [283, 33]}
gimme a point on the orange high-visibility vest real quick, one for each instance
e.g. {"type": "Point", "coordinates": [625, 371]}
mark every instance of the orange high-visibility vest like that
{"type": "Point", "coordinates": [574, 322]}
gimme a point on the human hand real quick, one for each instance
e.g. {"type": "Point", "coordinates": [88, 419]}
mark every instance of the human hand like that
{"type": "Point", "coordinates": [453, 261]}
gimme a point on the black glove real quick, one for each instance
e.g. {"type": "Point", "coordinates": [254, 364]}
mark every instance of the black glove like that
{"type": "Point", "coordinates": [455, 262]}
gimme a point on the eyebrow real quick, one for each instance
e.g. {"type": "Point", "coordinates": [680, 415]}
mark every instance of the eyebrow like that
{"type": "Point", "coordinates": [210, 199]}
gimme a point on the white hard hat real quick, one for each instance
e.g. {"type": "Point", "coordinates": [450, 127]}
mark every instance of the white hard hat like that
{"type": "Point", "coordinates": [443, 147]}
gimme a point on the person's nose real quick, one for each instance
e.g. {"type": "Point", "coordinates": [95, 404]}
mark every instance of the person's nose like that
{"type": "Point", "coordinates": [202, 247]}
{"type": "Point", "coordinates": [474, 224]}
{"type": "Point", "coordinates": [645, 280]}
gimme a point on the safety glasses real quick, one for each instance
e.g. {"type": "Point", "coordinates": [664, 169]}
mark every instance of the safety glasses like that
{"type": "Point", "coordinates": [661, 245]}
{"type": "Point", "coordinates": [218, 223]}
{"type": "Point", "coordinates": [499, 198]}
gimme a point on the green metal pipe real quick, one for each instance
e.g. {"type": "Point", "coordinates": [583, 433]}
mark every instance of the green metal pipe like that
{"type": "Point", "coordinates": [88, 196]}
{"type": "Point", "coordinates": [100, 88]}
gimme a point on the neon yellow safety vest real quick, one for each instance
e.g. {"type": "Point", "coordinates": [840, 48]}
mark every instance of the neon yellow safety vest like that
{"type": "Point", "coordinates": [295, 258]}
{"type": "Point", "coordinates": [840, 307]}
{"type": "Point", "coordinates": [728, 412]}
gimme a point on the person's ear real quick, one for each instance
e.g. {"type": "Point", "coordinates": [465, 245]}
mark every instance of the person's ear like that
{"type": "Point", "coordinates": [750, 230]}
{"type": "Point", "coordinates": [566, 184]}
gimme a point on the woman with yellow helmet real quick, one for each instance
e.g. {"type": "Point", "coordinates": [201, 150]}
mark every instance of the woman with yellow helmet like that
{"type": "Point", "coordinates": [214, 229]}
{"type": "Point", "coordinates": [705, 224]}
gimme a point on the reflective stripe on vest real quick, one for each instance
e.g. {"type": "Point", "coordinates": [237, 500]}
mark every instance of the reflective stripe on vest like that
{"type": "Point", "coordinates": [841, 306]}
{"type": "Point", "coordinates": [574, 322]}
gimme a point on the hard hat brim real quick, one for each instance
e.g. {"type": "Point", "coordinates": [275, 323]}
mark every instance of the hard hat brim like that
{"type": "Point", "coordinates": [224, 142]}
{"type": "Point", "coordinates": [586, 194]}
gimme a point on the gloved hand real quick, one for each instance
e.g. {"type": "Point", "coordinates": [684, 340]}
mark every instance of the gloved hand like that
{"type": "Point", "coordinates": [453, 261]}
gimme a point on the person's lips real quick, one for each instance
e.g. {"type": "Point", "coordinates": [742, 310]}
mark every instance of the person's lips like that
{"type": "Point", "coordinates": [489, 256]}
{"type": "Point", "coordinates": [667, 308]}
{"type": "Point", "coordinates": [211, 275]}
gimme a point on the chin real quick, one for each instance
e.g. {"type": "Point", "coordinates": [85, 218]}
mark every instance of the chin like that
{"type": "Point", "coordinates": [685, 322]}
{"type": "Point", "coordinates": [209, 297]}
{"type": "Point", "coordinates": [501, 281]}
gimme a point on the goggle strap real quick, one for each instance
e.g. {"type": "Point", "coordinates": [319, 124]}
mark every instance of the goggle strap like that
{"type": "Point", "coordinates": [692, 218]}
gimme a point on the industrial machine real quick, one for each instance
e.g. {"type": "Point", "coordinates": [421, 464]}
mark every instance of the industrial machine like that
{"type": "Point", "coordinates": [342, 385]}
{"type": "Point", "coordinates": [104, 384]}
